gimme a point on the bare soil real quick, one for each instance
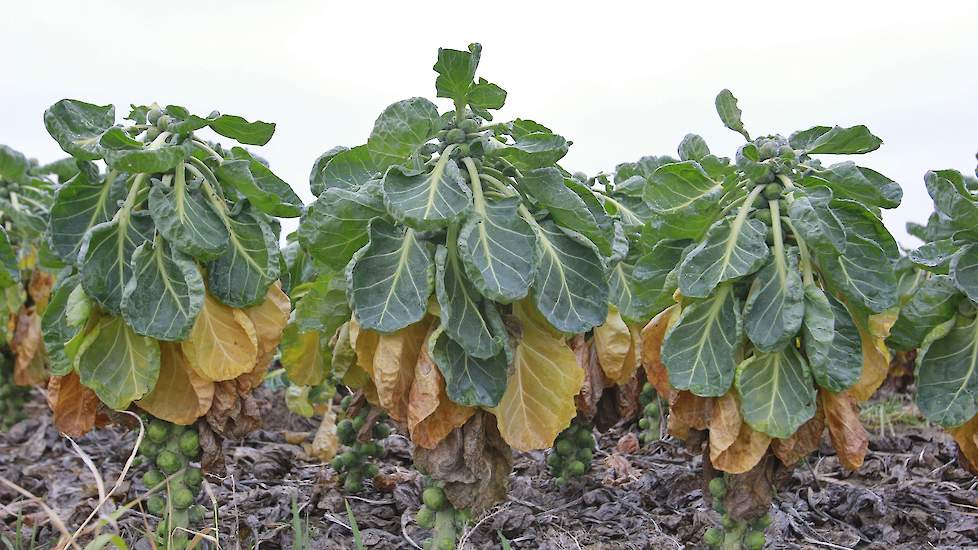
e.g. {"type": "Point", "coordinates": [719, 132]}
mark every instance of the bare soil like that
{"type": "Point", "coordinates": [910, 493]}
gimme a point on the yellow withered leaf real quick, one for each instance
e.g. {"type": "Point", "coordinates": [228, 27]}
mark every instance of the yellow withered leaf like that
{"type": "Point", "coordinates": [394, 361]}
{"type": "Point", "coordinates": [180, 396]}
{"type": "Point", "coordinates": [222, 344]}
{"type": "Point", "coordinates": [876, 363]}
{"type": "Point", "coordinates": [688, 411]}
{"type": "Point", "coordinates": [745, 452]}
{"type": "Point", "coordinates": [325, 443]}
{"type": "Point", "coordinates": [966, 435]}
{"type": "Point", "coordinates": [613, 343]}
{"type": "Point", "coordinates": [539, 399]}
{"type": "Point", "coordinates": [364, 343]}
{"type": "Point", "coordinates": [302, 356]}
{"type": "Point", "coordinates": [725, 422]}
{"type": "Point", "coordinates": [652, 336]}
{"type": "Point", "coordinates": [431, 414]}
{"type": "Point", "coordinates": [270, 318]}
{"type": "Point", "coordinates": [846, 431]}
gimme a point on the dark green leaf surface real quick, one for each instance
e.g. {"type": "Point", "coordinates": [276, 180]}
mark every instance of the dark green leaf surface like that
{"type": "Point", "coordinates": [933, 302]}
{"type": "Point", "coordinates": [964, 271]}
{"type": "Point", "coordinates": [817, 225]}
{"type": "Point", "coordinates": [84, 202]}
{"type": "Point", "coordinates": [77, 125]}
{"type": "Point", "coordinates": [534, 150]}
{"type": "Point", "coordinates": [729, 113]}
{"type": "Point", "coordinates": [684, 192]}
{"type": "Point", "coordinates": [13, 165]}
{"type": "Point", "coordinates": [947, 377]}
{"type": "Point", "coordinates": [775, 306]}
{"type": "Point", "coordinates": [700, 350]}
{"type": "Point", "coordinates": [9, 272]}
{"type": "Point", "coordinates": [776, 392]}
{"type": "Point", "coordinates": [55, 329]}
{"type": "Point", "coordinates": [843, 360]}
{"type": "Point", "coordinates": [118, 364]}
{"type": "Point", "coordinates": [733, 247]}
{"type": "Point", "coordinates": [165, 293]}
{"type": "Point", "coordinates": [473, 323]}
{"type": "Point", "coordinates": [391, 278]}
{"type": "Point", "coordinates": [935, 256]}
{"type": "Point", "coordinates": [848, 181]}
{"type": "Point", "coordinates": [106, 254]}
{"type": "Point", "coordinates": [693, 147]}
{"type": "Point", "coordinates": [428, 200]}
{"type": "Point", "coordinates": [497, 246]}
{"type": "Point", "coordinates": [323, 307]}
{"type": "Point", "coordinates": [242, 131]}
{"type": "Point", "coordinates": [400, 130]}
{"type": "Point", "coordinates": [836, 140]}
{"type": "Point", "coordinates": [818, 329]}
{"type": "Point", "coordinates": [470, 381]}
{"type": "Point", "coordinates": [241, 275]}
{"type": "Point", "coordinates": [188, 220]}
{"type": "Point", "coordinates": [264, 193]}
{"type": "Point", "coordinates": [335, 226]}
{"type": "Point", "coordinates": [568, 209]}
{"type": "Point", "coordinates": [347, 169]}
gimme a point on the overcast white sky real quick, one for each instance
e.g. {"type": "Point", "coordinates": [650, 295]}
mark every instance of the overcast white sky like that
{"type": "Point", "coordinates": [620, 79]}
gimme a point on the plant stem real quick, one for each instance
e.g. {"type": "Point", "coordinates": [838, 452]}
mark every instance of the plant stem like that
{"type": "Point", "coordinates": [207, 149]}
{"type": "Point", "coordinates": [806, 258]}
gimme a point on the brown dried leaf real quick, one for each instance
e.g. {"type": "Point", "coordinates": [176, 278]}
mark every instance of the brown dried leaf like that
{"type": "Point", "coordinates": [180, 395]}
{"type": "Point", "coordinates": [619, 471]}
{"type": "Point", "coordinates": [803, 442]}
{"type": "Point", "coordinates": [594, 383]}
{"type": "Point", "coordinates": [394, 362]}
{"type": "Point", "coordinates": [364, 343]}
{"type": "Point", "coordinates": [966, 435]}
{"type": "Point", "coordinates": [846, 431]}
{"type": "Point", "coordinates": [745, 452]}
{"type": "Point", "coordinates": [29, 363]}
{"type": "Point", "coordinates": [39, 288]}
{"type": "Point", "coordinates": [627, 444]}
{"type": "Point", "coordinates": [473, 462]}
{"type": "Point", "coordinates": [269, 319]}
{"type": "Point", "coordinates": [74, 405]}
{"type": "Point", "coordinates": [233, 413]}
{"type": "Point", "coordinates": [749, 495]}
{"type": "Point", "coordinates": [211, 451]}
{"type": "Point", "coordinates": [689, 412]}
{"type": "Point", "coordinates": [626, 399]}
{"type": "Point", "coordinates": [725, 422]}
{"type": "Point", "coordinates": [431, 414]}
{"type": "Point", "coordinates": [651, 338]}
{"type": "Point", "coordinates": [614, 345]}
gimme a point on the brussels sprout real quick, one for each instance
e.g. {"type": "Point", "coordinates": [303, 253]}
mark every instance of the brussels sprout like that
{"type": "Point", "coordinates": [157, 431]}
{"type": "Point", "coordinates": [381, 430]}
{"type": "Point", "coordinates": [463, 517]}
{"type": "Point", "coordinates": [455, 135]}
{"type": "Point", "coordinates": [168, 462]}
{"type": "Point", "coordinates": [190, 444]}
{"type": "Point", "coordinates": [468, 126]}
{"type": "Point", "coordinates": [576, 468]}
{"type": "Point", "coordinates": [786, 152]}
{"type": "Point", "coordinates": [768, 150]}
{"type": "Point", "coordinates": [196, 513]}
{"type": "Point", "coordinates": [149, 448]}
{"type": "Point", "coordinates": [585, 455]}
{"type": "Point", "coordinates": [769, 238]}
{"type": "Point", "coordinates": [153, 115]}
{"type": "Point", "coordinates": [772, 191]}
{"type": "Point", "coordinates": [555, 461]}
{"type": "Point", "coordinates": [425, 517]}
{"type": "Point", "coordinates": [564, 448]}
{"type": "Point", "coordinates": [156, 505]}
{"type": "Point", "coordinates": [152, 478]}
{"type": "Point", "coordinates": [444, 544]}
{"type": "Point", "coordinates": [652, 410]}
{"type": "Point", "coordinates": [374, 449]}
{"type": "Point", "coordinates": [193, 477]}
{"type": "Point", "coordinates": [434, 498]}
{"type": "Point", "coordinates": [713, 536]}
{"type": "Point", "coordinates": [763, 216]}
{"type": "Point", "coordinates": [349, 458]}
{"type": "Point", "coordinates": [585, 439]}
{"type": "Point", "coordinates": [182, 498]}
{"type": "Point", "coordinates": [561, 481]}
{"type": "Point", "coordinates": [718, 487]}
{"type": "Point", "coordinates": [352, 484]}
{"type": "Point", "coordinates": [164, 122]}
{"type": "Point", "coordinates": [371, 470]}
{"type": "Point", "coordinates": [643, 423]}
{"type": "Point", "coordinates": [348, 399]}
{"type": "Point", "coordinates": [763, 522]}
{"type": "Point", "coordinates": [754, 540]}
{"type": "Point", "coordinates": [580, 176]}
{"type": "Point", "coordinates": [727, 522]}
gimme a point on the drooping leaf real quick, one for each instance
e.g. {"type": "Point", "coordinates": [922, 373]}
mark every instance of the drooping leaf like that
{"type": "Point", "coordinates": [814, 220]}
{"type": "Point", "coordinates": [683, 191]}
{"type": "Point", "coordinates": [776, 392]}
{"type": "Point", "coordinates": [270, 318]}
{"type": "Point", "coordinates": [105, 256]}
{"type": "Point", "coordinates": [652, 336]}
{"type": "Point", "coordinates": [82, 203]}
{"type": "Point", "coordinates": [242, 131]}
{"type": "Point", "coordinates": [729, 113]}
{"type": "Point", "coordinates": [259, 185]}
{"type": "Point", "coordinates": [846, 431]}
{"type": "Point", "coordinates": [56, 330]}
{"type": "Point", "coordinates": [73, 405]}
{"type": "Point", "coordinates": [964, 271]}
{"type": "Point", "coordinates": [496, 246]}
{"type": "Point", "coordinates": [733, 247]}
{"type": "Point", "coordinates": [401, 129]}
{"type": "Point", "coordinates": [471, 321]}
{"type": "Point", "coordinates": [806, 440]}
{"type": "Point", "coordinates": [118, 364]}
{"type": "Point", "coordinates": [725, 422]}
{"type": "Point", "coordinates": [77, 125]}
{"type": "Point", "coordinates": [428, 200]}
{"type": "Point", "coordinates": [335, 226]}
{"type": "Point", "coordinates": [935, 256]}
{"type": "Point", "coordinates": [347, 169]}
{"type": "Point", "coordinates": [241, 275]}
{"type": "Point", "coordinates": [539, 399]}
{"type": "Point", "coordinates": [303, 356]}
{"type": "Point", "coordinates": [848, 181]}
{"type": "Point", "coordinates": [394, 362]}
{"type": "Point", "coordinates": [188, 220]}
{"type": "Point", "coordinates": [165, 293]}
{"type": "Point", "coordinates": [614, 345]}
{"type": "Point", "coordinates": [693, 147]}
{"type": "Point", "coordinates": [947, 377]}
{"type": "Point", "coordinates": [469, 381]}
{"type": "Point", "coordinates": [933, 302]}
{"type": "Point", "coordinates": [700, 349]}
{"type": "Point", "coordinates": [9, 270]}
{"type": "Point", "coordinates": [391, 278]}
{"type": "Point", "coordinates": [222, 343]}
{"type": "Point", "coordinates": [125, 154]}
{"type": "Point", "coordinates": [864, 273]}
{"type": "Point", "coordinates": [179, 396]}
{"type": "Point", "coordinates": [431, 416]}
{"type": "Point", "coordinates": [854, 140]}
{"type": "Point", "coordinates": [839, 365]}
{"type": "Point", "coordinates": [568, 209]}
{"type": "Point", "coordinates": [775, 306]}
{"type": "Point", "coordinates": [951, 198]}
{"type": "Point", "coordinates": [323, 307]}
{"type": "Point", "coordinates": [744, 453]}
{"type": "Point", "coordinates": [569, 286]}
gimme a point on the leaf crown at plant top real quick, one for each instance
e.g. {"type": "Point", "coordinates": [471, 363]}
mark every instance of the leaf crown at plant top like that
{"type": "Point", "coordinates": [450, 215]}
{"type": "Point", "coordinates": [175, 256]}
{"type": "Point", "coordinates": [939, 316]}
{"type": "Point", "coordinates": [784, 270]}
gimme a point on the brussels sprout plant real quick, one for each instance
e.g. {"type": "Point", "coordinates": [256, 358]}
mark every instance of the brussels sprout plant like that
{"type": "Point", "coordinates": [784, 277]}
{"type": "Point", "coordinates": [173, 296]}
